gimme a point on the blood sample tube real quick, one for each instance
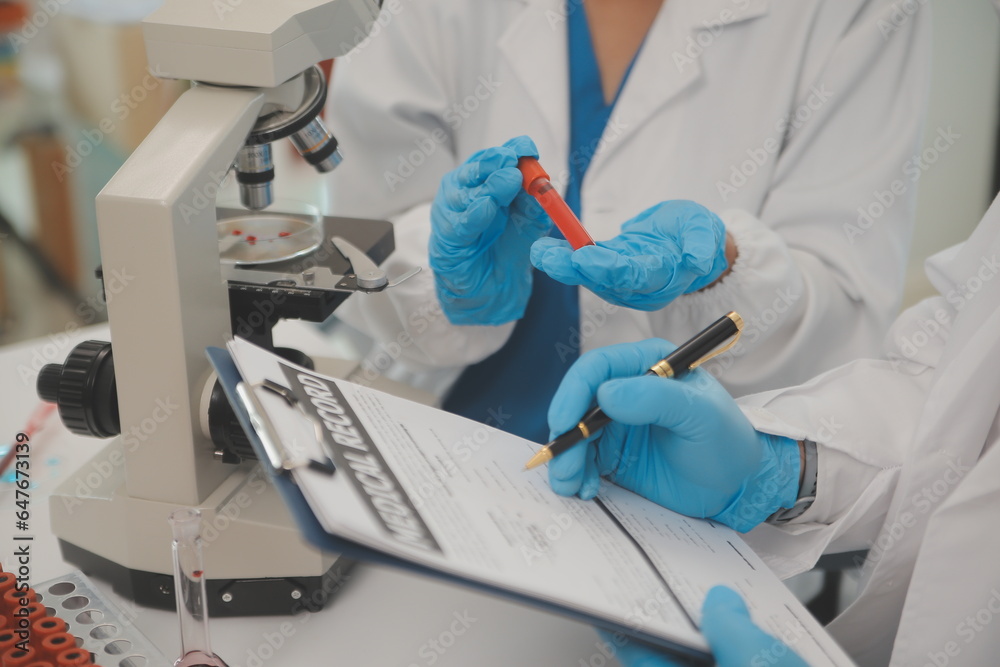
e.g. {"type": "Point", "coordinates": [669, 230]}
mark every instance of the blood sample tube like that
{"type": "Point", "coordinates": [54, 644]}
{"type": "Point", "coordinates": [40, 663]}
{"type": "Point", "coordinates": [189, 591]}
{"type": "Point", "coordinates": [24, 617]}
{"type": "Point", "coordinates": [12, 603]}
{"type": "Point", "coordinates": [36, 611]}
{"type": "Point", "coordinates": [44, 627]}
{"type": "Point", "coordinates": [74, 657]}
{"type": "Point", "coordinates": [8, 638]}
{"type": "Point", "coordinates": [19, 658]}
{"type": "Point", "coordinates": [537, 184]}
{"type": "Point", "coordinates": [7, 583]}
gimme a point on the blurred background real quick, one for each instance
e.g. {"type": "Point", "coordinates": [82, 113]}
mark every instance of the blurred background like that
{"type": "Point", "coordinates": [76, 98]}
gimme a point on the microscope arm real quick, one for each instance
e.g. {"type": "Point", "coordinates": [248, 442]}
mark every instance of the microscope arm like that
{"type": "Point", "coordinates": [157, 224]}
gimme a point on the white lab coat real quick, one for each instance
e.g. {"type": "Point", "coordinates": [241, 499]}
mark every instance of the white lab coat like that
{"type": "Point", "coordinates": [783, 116]}
{"type": "Point", "coordinates": [909, 467]}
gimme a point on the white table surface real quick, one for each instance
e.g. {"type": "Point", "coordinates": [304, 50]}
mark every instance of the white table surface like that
{"type": "Point", "coordinates": [382, 617]}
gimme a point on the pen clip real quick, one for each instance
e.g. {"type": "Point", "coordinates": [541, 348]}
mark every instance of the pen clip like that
{"type": "Point", "coordinates": [738, 321]}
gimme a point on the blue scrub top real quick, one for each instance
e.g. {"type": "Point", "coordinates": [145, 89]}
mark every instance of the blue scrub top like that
{"type": "Point", "coordinates": [512, 388]}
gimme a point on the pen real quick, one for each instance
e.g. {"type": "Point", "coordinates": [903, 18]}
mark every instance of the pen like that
{"type": "Point", "coordinates": [688, 356]}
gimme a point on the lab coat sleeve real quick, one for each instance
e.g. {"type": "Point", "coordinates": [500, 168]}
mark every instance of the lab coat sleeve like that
{"type": "Point", "coordinates": [862, 416]}
{"type": "Point", "coordinates": [820, 271]}
{"type": "Point", "coordinates": [389, 109]}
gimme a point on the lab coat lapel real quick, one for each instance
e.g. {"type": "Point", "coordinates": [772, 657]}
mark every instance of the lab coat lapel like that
{"type": "Point", "coordinates": [958, 414]}
{"type": "Point", "coordinates": [534, 47]}
{"type": "Point", "coordinates": [956, 420]}
{"type": "Point", "coordinates": [956, 578]}
{"type": "Point", "coordinates": [668, 63]}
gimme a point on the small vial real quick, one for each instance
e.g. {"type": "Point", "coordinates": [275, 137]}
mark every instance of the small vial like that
{"type": "Point", "coordinates": [189, 589]}
{"type": "Point", "coordinates": [537, 184]}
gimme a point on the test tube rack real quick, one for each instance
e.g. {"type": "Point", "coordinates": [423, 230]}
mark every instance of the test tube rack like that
{"type": "Point", "coordinates": [98, 625]}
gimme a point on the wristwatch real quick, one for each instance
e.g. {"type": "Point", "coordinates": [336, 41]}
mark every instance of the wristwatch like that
{"type": "Point", "coordinates": [807, 490]}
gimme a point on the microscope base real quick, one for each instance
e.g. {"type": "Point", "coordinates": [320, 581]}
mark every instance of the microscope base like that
{"type": "Point", "coordinates": [255, 559]}
{"type": "Point", "coordinates": [251, 597]}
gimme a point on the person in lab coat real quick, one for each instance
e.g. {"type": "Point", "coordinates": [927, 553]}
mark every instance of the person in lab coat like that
{"type": "Point", "coordinates": [793, 126]}
{"type": "Point", "coordinates": [898, 456]}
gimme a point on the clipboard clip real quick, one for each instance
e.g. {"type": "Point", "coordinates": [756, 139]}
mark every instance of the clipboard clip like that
{"type": "Point", "coordinates": [279, 458]}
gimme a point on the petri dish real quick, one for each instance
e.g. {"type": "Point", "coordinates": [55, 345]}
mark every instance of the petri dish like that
{"type": "Point", "coordinates": [284, 231]}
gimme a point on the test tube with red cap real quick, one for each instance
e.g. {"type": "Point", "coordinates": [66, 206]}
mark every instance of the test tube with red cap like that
{"type": "Point", "coordinates": [20, 657]}
{"type": "Point", "coordinates": [74, 657]}
{"type": "Point", "coordinates": [537, 184]}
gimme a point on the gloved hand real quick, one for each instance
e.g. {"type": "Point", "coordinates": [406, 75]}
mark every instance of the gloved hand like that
{"type": "Point", "coordinates": [734, 639]}
{"type": "Point", "coordinates": [673, 248]}
{"type": "Point", "coordinates": [482, 225]}
{"type": "Point", "coordinates": [683, 443]}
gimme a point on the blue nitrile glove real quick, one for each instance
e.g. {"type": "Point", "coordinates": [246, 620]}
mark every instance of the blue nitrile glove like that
{"type": "Point", "coordinates": [482, 225]}
{"type": "Point", "coordinates": [673, 248]}
{"type": "Point", "coordinates": [731, 634]}
{"type": "Point", "coordinates": [683, 443]}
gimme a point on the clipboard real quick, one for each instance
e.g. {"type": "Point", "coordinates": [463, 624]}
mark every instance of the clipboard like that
{"type": "Point", "coordinates": [288, 471]}
{"type": "Point", "coordinates": [271, 455]}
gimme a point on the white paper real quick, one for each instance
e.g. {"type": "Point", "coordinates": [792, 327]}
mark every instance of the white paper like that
{"type": "Point", "coordinates": [440, 490]}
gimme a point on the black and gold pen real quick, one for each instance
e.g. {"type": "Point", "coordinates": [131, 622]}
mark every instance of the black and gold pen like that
{"type": "Point", "coordinates": [691, 354]}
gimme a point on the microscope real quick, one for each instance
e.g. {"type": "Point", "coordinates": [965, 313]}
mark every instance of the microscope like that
{"type": "Point", "coordinates": [178, 445]}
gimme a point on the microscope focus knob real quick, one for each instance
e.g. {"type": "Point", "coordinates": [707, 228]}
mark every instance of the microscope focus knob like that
{"type": "Point", "coordinates": [84, 388]}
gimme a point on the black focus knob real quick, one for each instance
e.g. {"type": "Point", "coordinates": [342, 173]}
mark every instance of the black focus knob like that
{"type": "Point", "coordinates": [225, 429]}
{"type": "Point", "coordinates": [84, 388]}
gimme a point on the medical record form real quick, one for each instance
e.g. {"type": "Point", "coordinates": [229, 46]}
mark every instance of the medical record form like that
{"type": "Point", "coordinates": [432, 489]}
